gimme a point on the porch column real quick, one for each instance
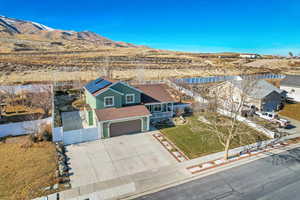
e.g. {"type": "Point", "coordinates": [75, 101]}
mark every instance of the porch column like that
{"type": "Point", "coordinates": [148, 123]}
{"type": "Point", "coordinates": [172, 109]}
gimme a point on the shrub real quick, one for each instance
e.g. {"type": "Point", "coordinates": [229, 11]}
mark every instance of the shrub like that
{"type": "Point", "coordinates": [28, 142]}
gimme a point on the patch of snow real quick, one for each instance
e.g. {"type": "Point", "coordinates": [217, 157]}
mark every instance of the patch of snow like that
{"type": "Point", "coordinates": [43, 27]}
{"type": "Point", "coordinates": [7, 20]}
{"type": "Point", "coordinates": [218, 162]}
{"type": "Point", "coordinates": [181, 159]}
{"type": "Point", "coordinates": [176, 153]}
{"type": "Point", "coordinates": [207, 165]}
{"type": "Point", "coordinates": [244, 155]}
{"type": "Point", "coordinates": [195, 169]}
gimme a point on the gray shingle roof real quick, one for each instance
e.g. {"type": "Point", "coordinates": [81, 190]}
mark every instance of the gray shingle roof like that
{"type": "Point", "coordinates": [291, 80]}
{"type": "Point", "coordinates": [257, 89]}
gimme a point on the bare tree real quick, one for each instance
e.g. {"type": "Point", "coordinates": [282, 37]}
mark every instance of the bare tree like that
{"type": "Point", "coordinates": [229, 100]}
{"type": "Point", "coordinates": [108, 68]}
{"type": "Point", "coordinates": [43, 99]}
{"type": "Point", "coordinates": [140, 71]}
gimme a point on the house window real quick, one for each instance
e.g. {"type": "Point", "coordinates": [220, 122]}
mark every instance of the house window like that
{"type": "Point", "coordinates": [164, 107]}
{"type": "Point", "coordinates": [169, 107]}
{"type": "Point", "coordinates": [108, 101]}
{"type": "Point", "coordinates": [157, 108]}
{"type": "Point", "coordinates": [129, 98]}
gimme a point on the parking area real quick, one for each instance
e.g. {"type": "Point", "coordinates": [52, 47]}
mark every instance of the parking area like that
{"type": "Point", "coordinates": [111, 158]}
{"type": "Point", "coordinates": [294, 128]}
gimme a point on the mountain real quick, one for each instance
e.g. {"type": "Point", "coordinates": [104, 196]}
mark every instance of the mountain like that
{"type": "Point", "coordinates": [21, 35]}
{"type": "Point", "coordinates": [16, 26]}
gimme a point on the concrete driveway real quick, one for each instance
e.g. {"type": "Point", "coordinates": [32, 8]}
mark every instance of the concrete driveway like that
{"type": "Point", "coordinates": [115, 157]}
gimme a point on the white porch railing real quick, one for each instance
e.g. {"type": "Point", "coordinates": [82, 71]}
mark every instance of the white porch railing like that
{"type": "Point", "coordinates": [161, 115]}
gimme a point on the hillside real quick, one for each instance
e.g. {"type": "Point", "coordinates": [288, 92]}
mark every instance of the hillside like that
{"type": "Point", "coordinates": [30, 51]}
{"type": "Point", "coordinates": [20, 35]}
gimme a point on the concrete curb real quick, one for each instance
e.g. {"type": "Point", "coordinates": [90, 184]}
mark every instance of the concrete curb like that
{"type": "Point", "coordinates": [219, 162]}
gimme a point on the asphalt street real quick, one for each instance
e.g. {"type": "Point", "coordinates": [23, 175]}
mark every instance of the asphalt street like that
{"type": "Point", "coordinates": [276, 177]}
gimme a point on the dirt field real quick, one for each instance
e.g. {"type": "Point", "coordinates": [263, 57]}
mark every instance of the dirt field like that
{"type": "Point", "coordinates": [130, 63]}
{"type": "Point", "coordinates": [24, 172]}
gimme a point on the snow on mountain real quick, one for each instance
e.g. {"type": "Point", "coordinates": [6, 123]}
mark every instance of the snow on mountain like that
{"type": "Point", "coordinates": [43, 27]}
{"type": "Point", "coordinates": [14, 27]}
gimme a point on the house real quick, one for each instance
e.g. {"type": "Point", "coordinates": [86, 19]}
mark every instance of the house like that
{"type": "Point", "coordinates": [118, 108]}
{"type": "Point", "coordinates": [291, 84]}
{"type": "Point", "coordinates": [258, 94]}
{"type": "Point", "coordinates": [249, 55]}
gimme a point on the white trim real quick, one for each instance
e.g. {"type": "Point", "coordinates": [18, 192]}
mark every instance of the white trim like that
{"type": "Point", "coordinates": [108, 88]}
{"type": "Point", "coordinates": [147, 104]}
{"type": "Point", "coordinates": [125, 119]}
{"type": "Point", "coordinates": [126, 84]}
{"type": "Point", "coordinates": [112, 122]}
{"type": "Point", "coordinates": [133, 98]}
{"type": "Point", "coordinates": [120, 93]}
{"type": "Point", "coordinates": [148, 123]}
{"type": "Point", "coordinates": [113, 101]}
{"type": "Point", "coordinates": [155, 111]}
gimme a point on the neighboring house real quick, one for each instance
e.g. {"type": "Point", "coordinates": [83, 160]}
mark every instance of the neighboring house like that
{"type": "Point", "coordinates": [258, 94]}
{"type": "Point", "coordinates": [291, 84]}
{"type": "Point", "coordinates": [249, 55]}
{"type": "Point", "coordinates": [117, 108]}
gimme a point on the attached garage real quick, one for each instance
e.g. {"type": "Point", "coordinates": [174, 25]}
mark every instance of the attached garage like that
{"type": "Point", "coordinates": [114, 122]}
{"type": "Point", "coordinates": [126, 127]}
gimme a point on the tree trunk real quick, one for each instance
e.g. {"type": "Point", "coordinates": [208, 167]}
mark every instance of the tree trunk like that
{"type": "Point", "coordinates": [227, 149]}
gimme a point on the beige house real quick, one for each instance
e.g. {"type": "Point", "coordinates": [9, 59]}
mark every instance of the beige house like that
{"type": "Point", "coordinates": [257, 94]}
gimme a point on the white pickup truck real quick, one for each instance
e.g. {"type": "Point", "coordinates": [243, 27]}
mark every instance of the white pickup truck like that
{"type": "Point", "coordinates": [273, 117]}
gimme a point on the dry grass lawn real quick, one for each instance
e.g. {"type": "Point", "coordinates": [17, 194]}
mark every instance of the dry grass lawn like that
{"type": "Point", "coordinates": [24, 172]}
{"type": "Point", "coordinates": [291, 111]}
{"type": "Point", "coordinates": [195, 141]}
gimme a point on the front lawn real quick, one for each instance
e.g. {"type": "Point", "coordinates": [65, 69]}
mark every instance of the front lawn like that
{"type": "Point", "coordinates": [291, 111]}
{"type": "Point", "coordinates": [195, 141]}
{"type": "Point", "coordinates": [25, 171]}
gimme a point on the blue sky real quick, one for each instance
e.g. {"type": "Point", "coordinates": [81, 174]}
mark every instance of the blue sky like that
{"type": "Point", "coordinates": [262, 26]}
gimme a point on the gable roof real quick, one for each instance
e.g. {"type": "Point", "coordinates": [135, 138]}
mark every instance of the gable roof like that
{"type": "Point", "coordinates": [100, 85]}
{"type": "Point", "coordinates": [155, 93]}
{"type": "Point", "coordinates": [121, 113]}
{"type": "Point", "coordinates": [96, 86]}
{"type": "Point", "coordinates": [259, 88]}
{"type": "Point", "coordinates": [291, 80]}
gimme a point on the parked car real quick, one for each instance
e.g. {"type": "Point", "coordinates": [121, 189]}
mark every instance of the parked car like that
{"type": "Point", "coordinates": [274, 118]}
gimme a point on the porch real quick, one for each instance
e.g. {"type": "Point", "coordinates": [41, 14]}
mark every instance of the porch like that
{"type": "Point", "coordinates": [161, 110]}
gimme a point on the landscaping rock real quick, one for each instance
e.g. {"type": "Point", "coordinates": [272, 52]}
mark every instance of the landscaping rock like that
{"type": "Point", "coordinates": [55, 186]}
{"type": "Point", "coordinates": [47, 188]}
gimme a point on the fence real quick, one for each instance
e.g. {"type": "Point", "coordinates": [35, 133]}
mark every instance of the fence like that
{"type": "Point", "coordinates": [257, 127]}
{"type": "Point", "coordinates": [22, 128]}
{"type": "Point", "coordinates": [200, 99]}
{"type": "Point", "coordinates": [190, 93]}
{"type": "Point", "coordinates": [215, 79]}
{"type": "Point", "coordinates": [75, 136]}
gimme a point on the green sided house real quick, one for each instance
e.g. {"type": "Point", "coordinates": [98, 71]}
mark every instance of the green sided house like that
{"type": "Point", "coordinates": [118, 108]}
